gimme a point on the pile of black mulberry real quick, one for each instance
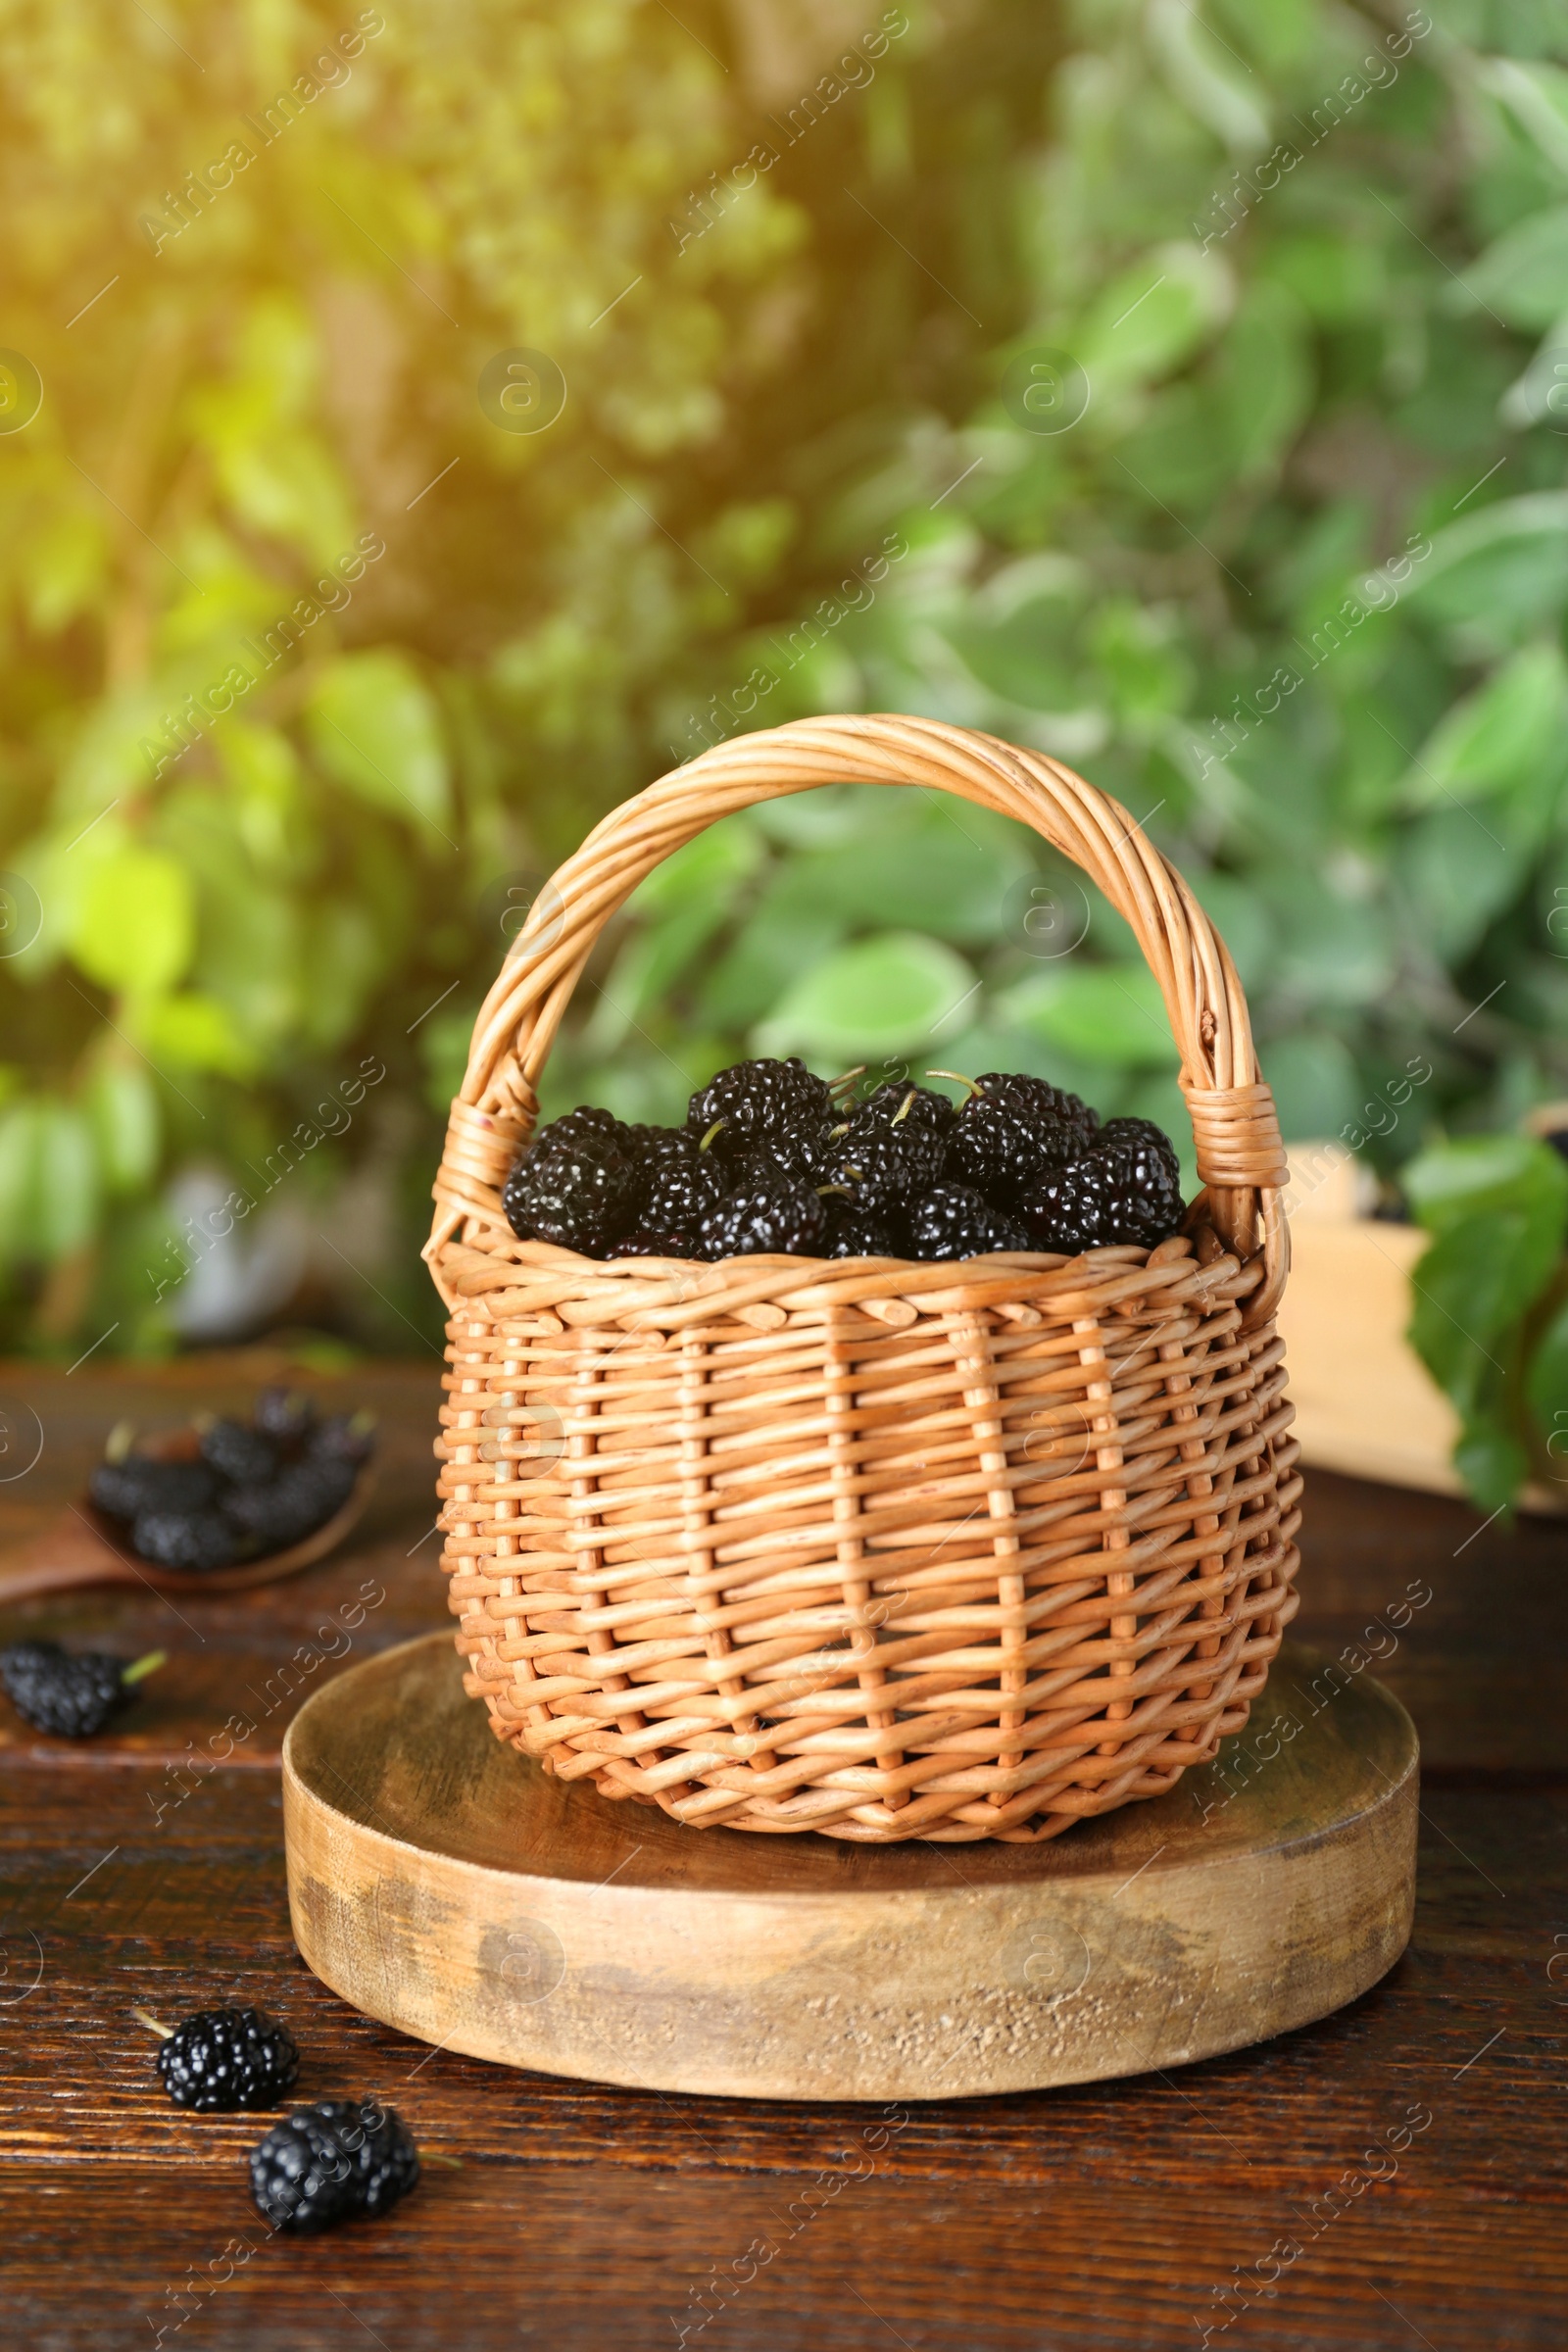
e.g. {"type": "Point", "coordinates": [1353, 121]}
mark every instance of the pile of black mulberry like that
{"type": "Point", "coordinates": [256, 1488]}
{"type": "Point", "coordinates": [772, 1158]}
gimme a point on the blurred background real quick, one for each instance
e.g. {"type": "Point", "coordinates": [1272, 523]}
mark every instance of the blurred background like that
{"type": "Point", "coordinates": [422, 426]}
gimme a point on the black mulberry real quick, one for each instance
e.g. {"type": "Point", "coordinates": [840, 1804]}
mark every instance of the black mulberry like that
{"type": "Point", "coordinates": [325, 2164]}
{"type": "Point", "coordinates": [1013, 1131]}
{"type": "Point", "coordinates": [70, 1697]}
{"type": "Point", "coordinates": [857, 1232]}
{"type": "Point", "coordinates": [576, 1183]}
{"type": "Point", "coordinates": [895, 1146]}
{"type": "Point", "coordinates": [221, 2058]}
{"type": "Point", "coordinates": [681, 1182]}
{"type": "Point", "coordinates": [342, 1437]}
{"type": "Point", "coordinates": [788, 1220]}
{"type": "Point", "coordinates": [1145, 1135]}
{"type": "Point", "coordinates": [303, 2177]}
{"type": "Point", "coordinates": [780, 1107]}
{"type": "Point", "coordinates": [237, 1453]}
{"type": "Point", "coordinates": [291, 1506]}
{"type": "Point", "coordinates": [954, 1221]}
{"type": "Point", "coordinates": [1126, 1194]}
{"type": "Point", "coordinates": [190, 1541]}
{"type": "Point", "coordinates": [388, 2160]}
{"type": "Point", "coordinates": [283, 1414]}
{"type": "Point", "coordinates": [123, 1489]}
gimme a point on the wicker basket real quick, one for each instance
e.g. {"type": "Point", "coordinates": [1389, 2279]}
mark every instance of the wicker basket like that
{"type": "Point", "coordinates": [875, 1548]}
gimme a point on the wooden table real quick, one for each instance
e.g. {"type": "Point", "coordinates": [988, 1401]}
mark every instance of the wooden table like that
{"type": "Point", "coordinates": [1411, 2150]}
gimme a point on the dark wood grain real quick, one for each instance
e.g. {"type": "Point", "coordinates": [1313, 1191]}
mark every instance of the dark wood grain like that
{"type": "Point", "coordinates": [565, 2214]}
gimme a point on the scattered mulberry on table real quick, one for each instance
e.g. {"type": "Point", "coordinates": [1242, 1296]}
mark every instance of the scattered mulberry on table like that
{"type": "Point", "coordinates": [70, 1697]}
{"type": "Point", "coordinates": [326, 2164]}
{"type": "Point", "coordinates": [223, 2058]}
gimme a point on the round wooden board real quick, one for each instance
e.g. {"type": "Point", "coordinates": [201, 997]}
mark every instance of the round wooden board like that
{"type": "Point", "coordinates": [446, 1885]}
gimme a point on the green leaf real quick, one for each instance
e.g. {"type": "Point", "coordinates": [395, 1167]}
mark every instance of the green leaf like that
{"type": "Point", "coordinates": [1535, 94]}
{"type": "Point", "coordinates": [1333, 950]}
{"type": "Point", "coordinates": [195, 1033]}
{"type": "Point", "coordinates": [1151, 318]}
{"type": "Point", "coordinates": [1506, 729]}
{"type": "Point", "coordinates": [1499, 572]}
{"type": "Point", "coordinates": [48, 1182]}
{"type": "Point", "coordinates": [1109, 1014]}
{"type": "Point", "coordinates": [787, 933]}
{"type": "Point", "coordinates": [811, 820]}
{"type": "Point", "coordinates": [376, 729]}
{"type": "Point", "coordinates": [1546, 1388]}
{"type": "Point", "coordinates": [121, 1103]}
{"type": "Point", "coordinates": [1263, 375]}
{"type": "Point", "coordinates": [683, 903]}
{"type": "Point", "coordinates": [119, 748]}
{"type": "Point", "coordinates": [1523, 276]}
{"type": "Point", "coordinates": [250, 960]}
{"type": "Point", "coordinates": [1022, 650]}
{"type": "Point", "coordinates": [134, 927]}
{"type": "Point", "coordinates": [1207, 75]}
{"type": "Point", "coordinates": [1147, 676]}
{"type": "Point", "coordinates": [1468, 1289]}
{"type": "Point", "coordinates": [934, 862]}
{"type": "Point", "coordinates": [1480, 1175]}
{"type": "Point", "coordinates": [1469, 1292]}
{"type": "Point", "coordinates": [704, 873]}
{"type": "Point", "coordinates": [1240, 918]}
{"type": "Point", "coordinates": [882, 996]}
{"type": "Point", "coordinates": [1491, 1461]}
{"type": "Point", "coordinates": [1339, 280]}
{"type": "Point", "coordinates": [67, 1177]}
{"type": "Point", "coordinates": [1497, 1206]}
{"type": "Point", "coordinates": [342, 956]}
{"type": "Point", "coordinates": [1184, 450]}
{"type": "Point", "coordinates": [1458, 872]}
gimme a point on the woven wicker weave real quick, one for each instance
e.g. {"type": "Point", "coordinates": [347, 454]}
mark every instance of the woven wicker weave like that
{"type": "Point", "coordinates": [875, 1548]}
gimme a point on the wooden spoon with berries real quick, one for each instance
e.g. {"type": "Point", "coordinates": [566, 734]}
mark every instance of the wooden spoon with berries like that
{"type": "Point", "coordinates": [215, 1507]}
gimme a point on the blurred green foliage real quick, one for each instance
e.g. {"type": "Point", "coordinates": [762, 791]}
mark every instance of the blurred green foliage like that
{"type": "Point", "coordinates": [1292, 583]}
{"type": "Point", "coordinates": [300, 650]}
{"type": "Point", "coordinates": [1490, 1304]}
{"type": "Point", "coordinates": [1291, 586]}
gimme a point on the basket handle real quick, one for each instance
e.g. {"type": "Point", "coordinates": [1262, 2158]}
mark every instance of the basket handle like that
{"type": "Point", "coordinates": [1241, 1158]}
